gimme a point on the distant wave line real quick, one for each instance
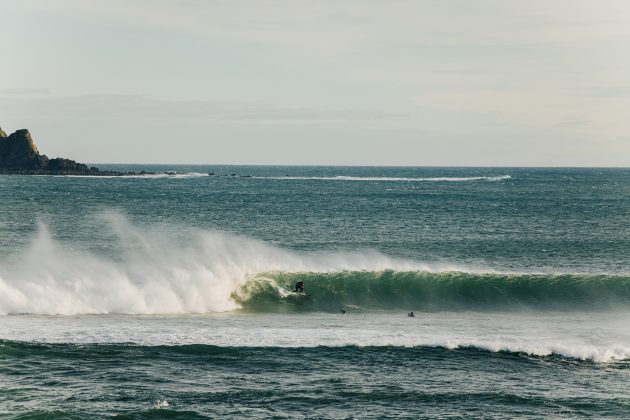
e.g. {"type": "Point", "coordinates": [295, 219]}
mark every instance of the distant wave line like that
{"type": "Point", "coordinates": [393, 179]}
{"type": "Point", "coordinates": [183, 175]}
{"type": "Point", "coordinates": [187, 175]}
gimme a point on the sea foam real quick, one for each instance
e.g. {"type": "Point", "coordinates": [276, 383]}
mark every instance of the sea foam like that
{"type": "Point", "coordinates": [599, 337]}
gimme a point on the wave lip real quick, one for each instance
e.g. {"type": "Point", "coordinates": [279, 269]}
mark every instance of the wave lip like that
{"type": "Point", "coordinates": [392, 179]}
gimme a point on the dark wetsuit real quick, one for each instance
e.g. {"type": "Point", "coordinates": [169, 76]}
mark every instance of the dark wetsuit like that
{"type": "Point", "coordinates": [299, 287]}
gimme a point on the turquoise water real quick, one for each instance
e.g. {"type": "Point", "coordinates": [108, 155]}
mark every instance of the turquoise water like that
{"type": "Point", "coordinates": [171, 296]}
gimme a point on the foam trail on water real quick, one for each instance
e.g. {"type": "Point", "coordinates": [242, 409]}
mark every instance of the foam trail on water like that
{"type": "Point", "coordinates": [599, 337]}
{"type": "Point", "coordinates": [393, 179]}
{"type": "Point", "coordinates": [161, 271]}
{"type": "Point", "coordinates": [183, 175]}
{"type": "Point", "coordinates": [187, 175]}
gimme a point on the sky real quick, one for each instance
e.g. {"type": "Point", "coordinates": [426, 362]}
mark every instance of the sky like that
{"type": "Point", "coordinates": [342, 82]}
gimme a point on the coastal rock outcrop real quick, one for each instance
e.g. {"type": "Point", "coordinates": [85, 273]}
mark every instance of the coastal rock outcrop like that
{"type": "Point", "coordinates": [19, 155]}
{"type": "Point", "coordinates": [17, 151]}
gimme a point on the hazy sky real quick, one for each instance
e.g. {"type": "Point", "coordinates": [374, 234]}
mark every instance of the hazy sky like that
{"type": "Point", "coordinates": [360, 82]}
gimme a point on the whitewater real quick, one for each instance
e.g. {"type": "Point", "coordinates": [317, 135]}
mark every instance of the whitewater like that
{"type": "Point", "coordinates": [526, 333]}
{"type": "Point", "coordinates": [184, 271]}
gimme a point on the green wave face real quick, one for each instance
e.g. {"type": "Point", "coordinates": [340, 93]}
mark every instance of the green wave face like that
{"type": "Point", "coordinates": [424, 291]}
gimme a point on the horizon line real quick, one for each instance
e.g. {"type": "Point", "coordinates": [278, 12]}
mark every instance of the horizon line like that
{"type": "Point", "coordinates": [368, 166]}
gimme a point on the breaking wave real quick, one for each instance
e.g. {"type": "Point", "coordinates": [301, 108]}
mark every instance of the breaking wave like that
{"type": "Point", "coordinates": [160, 270]}
{"type": "Point", "coordinates": [196, 271]}
{"type": "Point", "coordinates": [433, 291]}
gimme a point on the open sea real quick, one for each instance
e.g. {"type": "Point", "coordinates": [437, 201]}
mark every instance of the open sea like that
{"type": "Point", "coordinates": [171, 296]}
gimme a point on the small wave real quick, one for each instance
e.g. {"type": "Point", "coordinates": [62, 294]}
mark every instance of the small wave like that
{"type": "Point", "coordinates": [392, 179]}
{"type": "Point", "coordinates": [178, 175]}
{"type": "Point", "coordinates": [544, 349]}
{"type": "Point", "coordinates": [183, 175]}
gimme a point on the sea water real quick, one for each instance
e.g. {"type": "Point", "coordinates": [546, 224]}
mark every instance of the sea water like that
{"type": "Point", "coordinates": [172, 295]}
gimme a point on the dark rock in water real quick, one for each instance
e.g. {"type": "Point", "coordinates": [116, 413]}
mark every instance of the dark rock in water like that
{"type": "Point", "coordinates": [19, 155]}
{"type": "Point", "coordinates": [60, 164]}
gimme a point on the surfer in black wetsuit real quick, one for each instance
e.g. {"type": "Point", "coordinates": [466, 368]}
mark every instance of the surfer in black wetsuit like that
{"type": "Point", "coordinates": [411, 315]}
{"type": "Point", "coordinates": [299, 287]}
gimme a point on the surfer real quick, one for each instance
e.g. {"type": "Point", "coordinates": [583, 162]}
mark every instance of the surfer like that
{"type": "Point", "coordinates": [343, 311]}
{"type": "Point", "coordinates": [299, 287]}
{"type": "Point", "coordinates": [411, 315]}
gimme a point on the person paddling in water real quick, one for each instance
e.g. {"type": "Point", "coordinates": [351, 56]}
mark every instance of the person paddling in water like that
{"type": "Point", "coordinates": [299, 287]}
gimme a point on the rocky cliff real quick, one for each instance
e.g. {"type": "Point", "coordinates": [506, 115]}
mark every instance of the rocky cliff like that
{"type": "Point", "coordinates": [19, 155]}
{"type": "Point", "coordinates": [18, 151]}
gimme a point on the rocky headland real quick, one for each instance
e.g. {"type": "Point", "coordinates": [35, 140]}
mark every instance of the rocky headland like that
{"type": "Point", "coordinates": [19, 155]}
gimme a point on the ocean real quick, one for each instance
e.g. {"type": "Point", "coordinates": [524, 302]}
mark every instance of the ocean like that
{"type": "Point", "coordinates": [172, 296]}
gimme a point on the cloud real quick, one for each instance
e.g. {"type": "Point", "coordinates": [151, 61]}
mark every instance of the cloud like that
{"type": "Point", "coordinates": [24, 91]}
{"type": "Point", "coordinates": [585, 111]}
{"type": "Point", "coordinates": [608, 92]}
{"type": "Point", "coordinates": [399, 43]}
{"type": "Point", "coordinates": [503, 76]}
{"type": "Point", "coordinates": [147, 107]}
{"type": "Point", "coordinates": [337, 24]}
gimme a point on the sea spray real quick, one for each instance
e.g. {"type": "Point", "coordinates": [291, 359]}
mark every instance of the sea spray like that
{"type": "Point", "coordinates": [161, 270]}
